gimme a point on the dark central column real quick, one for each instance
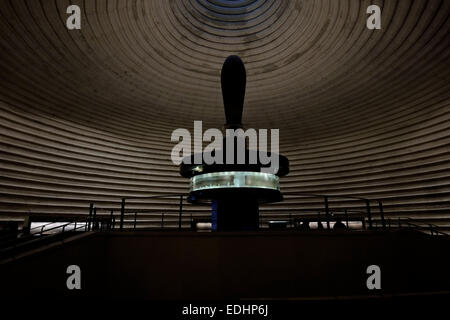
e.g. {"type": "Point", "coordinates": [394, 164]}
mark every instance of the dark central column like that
{"type": "Point", "coordinates": [237, 213]}
{"type": "Point", "coordinates": [235, 187]}
{"type": "Point", "coordinates": [233, 80]}
{"type": "Point", "coordinates": [235, 210]}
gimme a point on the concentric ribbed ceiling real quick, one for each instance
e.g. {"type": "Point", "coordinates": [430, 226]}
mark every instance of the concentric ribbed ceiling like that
{"type": "Point", "coordinates": [86, 115]}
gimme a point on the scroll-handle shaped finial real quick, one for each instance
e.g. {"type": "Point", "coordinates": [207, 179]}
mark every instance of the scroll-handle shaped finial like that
{"type": "Point", "coordinates": [233, 79]}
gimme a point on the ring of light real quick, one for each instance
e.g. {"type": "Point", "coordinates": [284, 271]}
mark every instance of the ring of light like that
{"type": "Point", "coordinates": [234, 179]}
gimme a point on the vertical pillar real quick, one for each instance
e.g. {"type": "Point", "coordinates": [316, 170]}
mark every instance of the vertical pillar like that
{"type": "Point", "coordinates": [94, 221]}
{"type": "Point", "coordinates": [214, 215]}
{"type": "Point", "coordinates": [369, 215]}
{"type": "Point", "coordinates": [238, 213]}
{"type": "Point", "coordinates": [122, 213]}
{"type": "Point", "coordinates": [346, 217]}
{"type": "Point", "coordinates": [26, 225]}
{"type": "Point", "coordinates": [327, 212]}
{"type": "Point", "coordinates": [383, 223]}
{"type": "Point", "coordinates": [91, 208]}
{"type": "Point", "coordinates": [319, 221]}
{"type": "Point", "coordinates": [181, 211]}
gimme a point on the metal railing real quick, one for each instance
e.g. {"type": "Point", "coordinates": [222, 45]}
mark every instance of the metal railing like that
{"type": "Point", "coordinates": [11, 246]}
{"type": "Point", "coordinates": [410, 224]}
{"type": "Point", "coordinates": [357, 213]}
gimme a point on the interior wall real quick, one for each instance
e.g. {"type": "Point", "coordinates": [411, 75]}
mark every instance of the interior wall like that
{"type": "Point", "coordinates": [86, 115]}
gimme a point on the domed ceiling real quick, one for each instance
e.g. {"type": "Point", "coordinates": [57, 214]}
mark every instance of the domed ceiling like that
{"type": "Point", "coordinates": [87, 115]}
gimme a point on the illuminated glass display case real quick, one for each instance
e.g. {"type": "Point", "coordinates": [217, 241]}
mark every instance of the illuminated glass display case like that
{"type": "Point", "coordinates": [234, 179]}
